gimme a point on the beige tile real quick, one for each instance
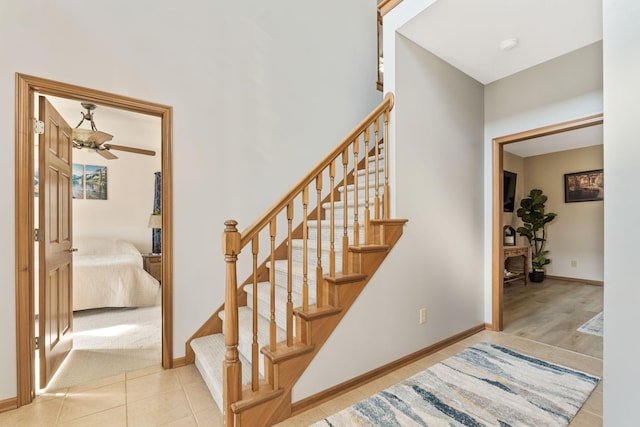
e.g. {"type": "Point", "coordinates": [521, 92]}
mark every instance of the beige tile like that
{"type": "Point", "coordinates": [199, 396]}
{"type": "Point", "coordinates": [156, 383]}
{"type": "Point", "coordinates": [586, 419]}
{"type": "Point", "coordinates": [143, 372]}
{"type": "Point", "coordinates": [210, 417]}
{"type": "Point", "coordinates": [189, 421]}
{"type": "Point", "coordinates": [158, 409]}
{"type": "Point", "coordinates": [594, 403]}
{"type": "Point", "coordinates": [309, 417]}
{"type": "Point", "coordinates": [188, 375]}
{"type": "Point", "coordinates": [81, 404]}
{"type": "Point", "coordinates": [36, 414]}
{"type": "Point", "coordinates": [115, 417]}
{"type": "Point", "coordinates": [101, 382]}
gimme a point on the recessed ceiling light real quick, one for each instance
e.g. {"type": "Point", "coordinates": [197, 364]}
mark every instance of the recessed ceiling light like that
{"type": "Point", "coordinates": [508, 44]}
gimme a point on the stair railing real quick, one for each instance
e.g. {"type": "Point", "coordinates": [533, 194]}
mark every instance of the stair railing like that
{"type": "Point", "coordinates": [349, 154]}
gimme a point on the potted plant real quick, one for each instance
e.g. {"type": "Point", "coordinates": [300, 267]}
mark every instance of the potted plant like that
{"type": "Point", "coordinates": [535, 220]}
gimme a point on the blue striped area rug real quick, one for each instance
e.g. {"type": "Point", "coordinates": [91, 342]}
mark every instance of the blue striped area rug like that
{"type": "Point", "coordinates": [483, 385]}
{"type": "Point", "coordinates": [594, 326]}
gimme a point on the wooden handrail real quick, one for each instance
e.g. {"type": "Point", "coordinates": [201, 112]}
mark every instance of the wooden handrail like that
{"type": "Point", "coordinates": [385, 6]}
{"type": "Point", "coordinates": [313, 261]}
{"type": "Point", "coordinates": [252, 230]}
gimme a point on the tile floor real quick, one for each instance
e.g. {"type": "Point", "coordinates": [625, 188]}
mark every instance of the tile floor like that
{"type": "Point", "coordinates": [147, 397]}
{"type": "Point", "coordinates": [179, 397]}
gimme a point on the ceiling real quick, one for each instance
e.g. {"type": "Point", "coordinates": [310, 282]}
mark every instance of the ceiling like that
{"type": "Point", "coordinates": [578, 138]}
{"type": "Point", "coordinates": [467, 33]}
{"type": "Point", "coordinates": [128, 128]}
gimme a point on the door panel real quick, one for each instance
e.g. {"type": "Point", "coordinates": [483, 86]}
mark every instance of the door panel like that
{"type": "Point", "coordinates": [56, 308]}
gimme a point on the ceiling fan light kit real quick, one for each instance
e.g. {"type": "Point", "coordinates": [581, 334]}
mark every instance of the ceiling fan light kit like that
{"type": "Point", "coordinates": [95, 140]}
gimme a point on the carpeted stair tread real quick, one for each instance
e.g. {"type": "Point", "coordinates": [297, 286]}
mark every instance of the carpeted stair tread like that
{"type": "Point", "coordinates": [281, 271]}
{"type": "Point", "coordinates": [245, 333]}
{"type": "Point", "coordinates": [210, 351]}
{"type": "Point", "coordinates": [312, 252]}
{"type": "Point", "coordinates": [338, 231]}
{"type": "Point", "coordinates": [264, 301]}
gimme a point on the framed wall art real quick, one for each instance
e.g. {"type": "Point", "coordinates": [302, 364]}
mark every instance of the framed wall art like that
{"type": "Point", "coordinates": [95, 182]}
{"type": "Point", "coordinates": [77, 181]}
{"type": "Point", "coordinates": [584, 186]}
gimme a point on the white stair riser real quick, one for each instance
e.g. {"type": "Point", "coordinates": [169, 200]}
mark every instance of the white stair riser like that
{"type": "Point", "coordinates": [338, 231]}
{"type": "Point", "coordinates": [264, 302]}
{"type": "Point", "coordinates": [209, 355]}
{"type": "Point", "coordinates": [245, 334]}
{"type": "Point", "coordinates": [296, 282]}
{"type": "Point", "coordinates": [361, 199]}
{"type": "Point", "coordinates": [312, 256]}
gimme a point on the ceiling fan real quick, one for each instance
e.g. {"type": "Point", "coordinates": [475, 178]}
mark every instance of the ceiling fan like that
{"type": "Point", "coordinates": [96, 140]}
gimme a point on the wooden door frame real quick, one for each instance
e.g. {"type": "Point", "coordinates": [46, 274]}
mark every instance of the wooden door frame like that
{"type": "Point", "coordinates": [26, 87]}
{"type": "Point", "coordinates": [497, 208]}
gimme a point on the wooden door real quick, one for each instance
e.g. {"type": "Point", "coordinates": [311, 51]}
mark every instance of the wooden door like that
{"type": "Point", "coordinates": [55, 280]}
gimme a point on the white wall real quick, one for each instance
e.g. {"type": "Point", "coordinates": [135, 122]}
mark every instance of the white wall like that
{"type": "Point", "coordinates": [435, 264]}
{"type": "Point", "coordinates": [565, 88]}
{"type": "Point", "coordinates": [260, 91]}
{"type": "Point", "coordinates": [621, 154]}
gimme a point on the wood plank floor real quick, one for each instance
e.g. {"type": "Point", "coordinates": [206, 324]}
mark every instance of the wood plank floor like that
{"type": "Point", "coordinates": [551, 312]}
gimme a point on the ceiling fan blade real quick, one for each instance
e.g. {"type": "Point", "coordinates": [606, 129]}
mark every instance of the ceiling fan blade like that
{"type": "Point", "coordinates": [129, 149]}
{"type": "Point", "coordinates": [99, 137]}
{"type": "Point", "coordinates": [106, 154]}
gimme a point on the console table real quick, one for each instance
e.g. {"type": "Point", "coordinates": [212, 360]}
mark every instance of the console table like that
{"type": "Point", "coordinates": [515, 251]}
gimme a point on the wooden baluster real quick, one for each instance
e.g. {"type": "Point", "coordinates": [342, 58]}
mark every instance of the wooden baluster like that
{"type": "Point", "coordinates": [367, 212]}
{"type": "Point", "coordinates": [376, 129]}
{"type": "Point", "coordinates": [356, 225]}
{"type": "Point", "coordinates": [319, 274]}
{"type": "Point", "coordinates": [345, 234]}
{"type": "Point", "coordinates": [305, 261]}
{"type": "Point", "coordinates": [255, 375]}
{"type": "Point", "coordinates": [289, 275]}
{"type": "Point", "coordinates": [231, 367]}
{"type": "Point", "coordinates": [387, 189]}
{"type": "Point", "coordinates": [272, 280]}
{"type": "Point", "coordinates": [332, 252]}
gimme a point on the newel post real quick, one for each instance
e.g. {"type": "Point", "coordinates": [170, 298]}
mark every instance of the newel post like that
{"type": "Point", "coordinates": [231, 367]}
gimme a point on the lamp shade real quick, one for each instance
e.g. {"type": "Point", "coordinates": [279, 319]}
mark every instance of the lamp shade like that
{"type": "Point", "coordinates": [155, 221]}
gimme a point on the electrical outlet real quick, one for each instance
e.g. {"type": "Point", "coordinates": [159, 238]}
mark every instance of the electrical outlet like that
{"type": "Point", "coordinates": [423, 315]}
{"type": "Point", "coordinates": [574, 263]}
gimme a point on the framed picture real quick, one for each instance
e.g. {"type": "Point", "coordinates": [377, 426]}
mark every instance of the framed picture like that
{"type": "Point", "coordinates": [584, 186]}
{"type": "Point", "coordinates": [95, 182]}
{"type": "Point", "coordinates": [77, 181]}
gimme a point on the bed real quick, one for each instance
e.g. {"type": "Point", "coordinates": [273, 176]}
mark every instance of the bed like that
{"type": "Point", "coordinates": [107, 272]}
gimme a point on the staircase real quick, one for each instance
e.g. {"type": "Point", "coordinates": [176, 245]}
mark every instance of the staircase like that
{"type": "Point", "coordinates": [254, 348]}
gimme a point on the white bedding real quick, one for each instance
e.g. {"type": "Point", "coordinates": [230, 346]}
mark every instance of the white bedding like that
{"type": "Point", "coordinates": [107, 272]}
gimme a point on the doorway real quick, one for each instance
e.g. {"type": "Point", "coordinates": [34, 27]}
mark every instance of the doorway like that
{"type": "Point", "coordinates": [497, 263]}
{"type": "Point", "coordinates": [26, 87]}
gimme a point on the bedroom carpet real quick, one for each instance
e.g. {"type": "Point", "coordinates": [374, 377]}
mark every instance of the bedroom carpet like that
{"type": "Point", "coordinates": [483, 385]}
{"type": "Point", "coordinates": [108, 342]}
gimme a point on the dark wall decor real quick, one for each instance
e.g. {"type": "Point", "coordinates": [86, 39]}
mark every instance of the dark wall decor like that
{"type": "Point", "coordinates": [584, 186]}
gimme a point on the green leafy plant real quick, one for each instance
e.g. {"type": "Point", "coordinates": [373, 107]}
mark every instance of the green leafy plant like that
{"type": "Point", "coordinates": [535, 220]}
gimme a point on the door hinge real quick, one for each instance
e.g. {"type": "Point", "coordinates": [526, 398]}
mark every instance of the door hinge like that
{"type": "Point", "coordinates": [38, 126]}
{"type": "Point", "coordinates": [37, 343]}
{"type": "Point", "coordinates": [38, 235]}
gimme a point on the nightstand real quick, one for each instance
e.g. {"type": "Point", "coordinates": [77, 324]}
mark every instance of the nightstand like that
{"type": "Point", "coordinates": [152, 263]}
